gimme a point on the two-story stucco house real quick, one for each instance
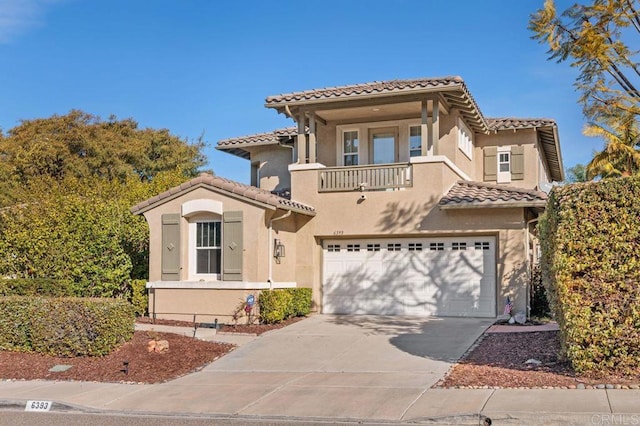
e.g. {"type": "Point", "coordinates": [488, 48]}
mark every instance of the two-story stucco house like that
{"type": "Point", "coordinates": [395, 197]}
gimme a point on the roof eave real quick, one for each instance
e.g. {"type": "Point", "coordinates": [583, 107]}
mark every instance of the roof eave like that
{"type": "Point", "coordinates": [484, 205]}
{"type": "Point", "coordinates": [238, 152]}
{"type": "Point", "coordinates": [207, 186]}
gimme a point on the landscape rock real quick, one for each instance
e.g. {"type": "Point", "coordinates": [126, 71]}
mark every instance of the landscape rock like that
{"type": "Point", "coordinates": [533, 361]}
{"type": "Point", "coordinates": [158, 346]}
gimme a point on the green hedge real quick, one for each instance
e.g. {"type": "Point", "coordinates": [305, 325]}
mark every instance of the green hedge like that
{"type": "Point", "coordinates": [139, 297]}
{"type": "Point", "coordinates": [590, 239]}
{"type": "Point", "coordinates": [65, 326]}
{"type": "Point", "coordinates": [279, 305]}
{"type": "Point", "coordinates": [36, 287]}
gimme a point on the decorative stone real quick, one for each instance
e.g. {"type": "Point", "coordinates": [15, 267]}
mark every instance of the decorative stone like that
{"type": "Point", "coordinates": [157, 346]}
{"type": "Point", "coordinates": [589, 387]}
{"type": "Point", "coordinates": [617, 386]}
{"type": "Point", "coordinates": [512, 320]}
{"type": "Point", "coordinates": [609, 386]}
{"type": "Point", "coordinates": [634, 386]}
{"type": "Point", "coordinates": [162, 346]}
{"type": "Point", "coordinates": [520, 318]}
{"type": "Point", "coordinates": [600, 386]}
{"type": "Point", "coordinates": [533, 361]}
{"type": "Point", "coordinates": [60, 368]}
{"type": "Point", "coordinates": [580, 386]}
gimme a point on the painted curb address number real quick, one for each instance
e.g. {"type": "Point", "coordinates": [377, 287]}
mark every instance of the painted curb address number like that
{"type": "Point", "coordinates": [38, 406]}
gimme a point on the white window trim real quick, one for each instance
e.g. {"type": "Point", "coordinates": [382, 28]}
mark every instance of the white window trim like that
{"type": "Point", "coordinates": [503, 177]}
{"type": "Point", "coordinates": [465, 139]}
{"type": "Point", "coordinates": [193, 275]}
{"type": "Point", "coordinates": [342, 154]}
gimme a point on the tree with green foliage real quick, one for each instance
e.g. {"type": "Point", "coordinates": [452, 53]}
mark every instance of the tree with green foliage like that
{"type": "Point", "coordinates": [577, 173]}
{"type": "Point", "coordinates": [621, 156]}
{"type": "Point", "coordinates": [82, 145]}
{"type": "Point", "coordinates": [66, 186]}
{"type": "Point", "coordinates": [81, 230]}
{"type": "Point", "coordinates": [601, 40]}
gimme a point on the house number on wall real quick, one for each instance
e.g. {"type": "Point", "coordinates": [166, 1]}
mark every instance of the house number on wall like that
{"type": "Point", "coordinates": [38, 406]}
{"type": "Point", "coordinates": [338, 232]}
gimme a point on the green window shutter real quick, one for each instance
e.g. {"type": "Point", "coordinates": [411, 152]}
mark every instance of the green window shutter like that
{"type": "Point", "coordinates": [232, 248]}
{"type": "Point", "coordinates": [517, 162]}
{"type": "Point", "coordinates": [170, 247]}
{"type": "Point", "coordinates": [490, 163]}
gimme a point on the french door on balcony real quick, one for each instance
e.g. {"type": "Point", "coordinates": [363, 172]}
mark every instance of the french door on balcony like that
{"type": "Point", "coordinates": [383, 145]}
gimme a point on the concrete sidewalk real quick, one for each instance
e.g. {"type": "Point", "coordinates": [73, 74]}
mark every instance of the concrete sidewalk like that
{"type": "Point", "coordinates": [364, 369]}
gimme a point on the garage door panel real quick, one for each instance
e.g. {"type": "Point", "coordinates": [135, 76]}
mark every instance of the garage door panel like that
{"type": "Point", "coordinates": [444, 276]}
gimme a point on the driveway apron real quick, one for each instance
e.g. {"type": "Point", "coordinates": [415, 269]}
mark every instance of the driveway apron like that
{"type": "Point", "coordinates": [326, 366]}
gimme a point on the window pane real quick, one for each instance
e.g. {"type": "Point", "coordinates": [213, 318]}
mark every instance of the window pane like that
{"type": "Point", "coordinates": [350, 160]}
{"type": "Point", "coordinates": [504, 167]}
{"type": "Point", "coordinates": [208, 261]}
{"type": "Point", "coordinates": [350, 142]}
{"type": "Point", "coordinates": [211, 237]}
{"type": "Point", "coordinates": [203, 261]}
{"type": "Point", "coordinates": [199, 231]}
{"type": "Point", "coordinates": [384, 148]}
{"type": "Point", "coordinates": [415, 141]}
{"type": "Point", "coordinates": [218, 239]}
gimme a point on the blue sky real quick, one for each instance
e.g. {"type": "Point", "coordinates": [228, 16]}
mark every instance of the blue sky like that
{"type": "Point", "coordinates": [205, 67]}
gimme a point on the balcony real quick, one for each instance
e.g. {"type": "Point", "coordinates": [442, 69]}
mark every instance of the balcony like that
{"type": "Point", "coordinates": [367, 177]}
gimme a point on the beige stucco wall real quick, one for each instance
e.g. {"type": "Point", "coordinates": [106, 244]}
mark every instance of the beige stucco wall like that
{"type": "Point", "coordinates": [413, 212]}
{"type": "Point", "coordinates": [255, 237]}
{"type": "Point", "coordinates": [526, 138]}
{"type": "Point", "coordinates": [273, 161]}
{"type": "Point", "coordinates": [205, 304]}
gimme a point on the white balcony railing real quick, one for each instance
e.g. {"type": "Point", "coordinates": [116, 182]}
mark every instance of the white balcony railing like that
{"type": "Point", "coordinates": [368, 178]}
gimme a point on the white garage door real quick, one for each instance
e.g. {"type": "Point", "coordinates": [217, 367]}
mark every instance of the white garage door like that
{"type": "Point", "coordinates": [427, 276]}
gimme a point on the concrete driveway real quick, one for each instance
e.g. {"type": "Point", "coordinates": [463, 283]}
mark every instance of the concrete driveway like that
{"type": "Point", "coordinates": [326, 366]}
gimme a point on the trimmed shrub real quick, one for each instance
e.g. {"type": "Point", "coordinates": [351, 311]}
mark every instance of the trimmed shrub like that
{"type": "Point", "coordinates": [538, 297]}
{"type": "Point", "coordinates": [590, 237]}
{"type": "Point", "coordinates": [282, 304]}
{"type": "Point", "coordinates": [139, 297]}
{"type": "Point", "coordinates": [36, 287]}
{"type": "Point", "coordinates": [65, 326]}
{"type": "Point", "coordinates": [300, 301]}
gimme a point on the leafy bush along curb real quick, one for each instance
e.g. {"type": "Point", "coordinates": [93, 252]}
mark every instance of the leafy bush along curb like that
{"type": "Point", "coordinates": [279, 305]}
{"type": "Point", "coordinates": [590, 238]}
{"type": "Point", "coordinates": [35, 287]}
{"type": "Point", "coordinates": [65, 326]}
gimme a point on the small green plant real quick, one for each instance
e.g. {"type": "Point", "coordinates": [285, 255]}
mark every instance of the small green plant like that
{"type": "Point", "coordinates": [244, 309]}
{"type": "Point", "coordinates": [139, 297]}
{"type": "Point", "coordinates": [279, 305]}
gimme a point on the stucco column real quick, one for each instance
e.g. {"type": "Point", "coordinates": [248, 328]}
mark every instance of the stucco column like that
{"type": "Point", "coordinates": [301, 140]}
{"type": "Point", "coordinates": [434, 134]}
{"type": "Point", "coordinates": [424, 130]}
{"type": "Point", "coordinates": [312, 138]}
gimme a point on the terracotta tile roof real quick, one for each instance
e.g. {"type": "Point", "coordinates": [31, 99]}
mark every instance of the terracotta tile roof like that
{"type": "Point", "coordinates": [465, 194]}
{"type": "Point", "coordinates": [363, 89]}
{"type": "Point", "coordinates": [236, 146]}
{"type": "Point", "coordinates": [452, 88]}
{"type": "Point", "coordinates": [235, 188]}
{"type": "Point", "coordinates": [507, 123]}
{"type": "Point", "coordinates": [267, 138]}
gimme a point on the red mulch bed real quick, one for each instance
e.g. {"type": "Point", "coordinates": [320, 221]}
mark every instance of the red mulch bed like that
{"type": "Point", "coordinates": [184, 355]}
{"type": "Point", "coordinates": [499, 361]}
{"type": "Point", "coordinates": [257, 329]}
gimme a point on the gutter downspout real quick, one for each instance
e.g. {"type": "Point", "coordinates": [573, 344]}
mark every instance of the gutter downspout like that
{"type": "Point", "coordinates": [284, 216]}
{"type": "Point", "coordinates": [293, 159]}
{"type": "Point", "coordinates": [529, 265]}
